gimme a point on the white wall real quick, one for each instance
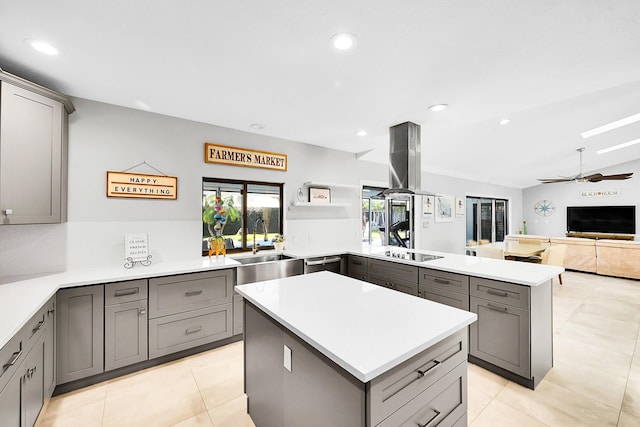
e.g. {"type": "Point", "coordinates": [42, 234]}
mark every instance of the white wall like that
{"type": "Point", "coordinates": [569, 194]}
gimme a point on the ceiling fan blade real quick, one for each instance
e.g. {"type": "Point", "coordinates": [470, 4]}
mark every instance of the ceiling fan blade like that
{"type": "Point", "coordinates": [596, 177]}
{"type": "Point", "coordinates": [616, 177]}
{"type": "Point", "coordinates": [552, 180]}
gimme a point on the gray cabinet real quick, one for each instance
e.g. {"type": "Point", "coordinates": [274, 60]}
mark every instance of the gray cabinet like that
{"type": "Point", "coordinates": [33, 151]}
{"type": "Point", "coordinates": [446, 288]}
{"type": "Point", "coordinates": [10, 410]}
{"type": "Point", "coordinates": [514, 331]}
{"type": "Point", "coordinates": [33, 384]}
{"type": "Point", "coordinates": [80, 333]}
{"type": "Point", "coordinates": [125, 324]}
{"type": "Point", "coordinates": [189, 310]}
{"type": "Point", "coordinates": [397, 276]}
{"type": "Point", "coordinates": [238, 314]}
{"type": "Point", "coordinates": [357, 267]}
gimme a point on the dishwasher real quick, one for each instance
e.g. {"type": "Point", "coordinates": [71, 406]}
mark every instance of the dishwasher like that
{"type": "Point", "coordinates": [326, 263]}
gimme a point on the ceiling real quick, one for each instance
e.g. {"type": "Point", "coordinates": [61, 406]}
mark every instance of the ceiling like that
{"type": "Point", "coordinates": [556, 68]}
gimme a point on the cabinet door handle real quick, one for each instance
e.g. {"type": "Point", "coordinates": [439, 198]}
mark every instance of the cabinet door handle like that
{"type": "Point", "coordinates": [422, 373]}
{"type": "Point", "coordinates": [125, 292]}
{"type": "Point", "coordinates": [497, 293]}
{"type": "Point", "coordinates": [50, 312]}
{"type": "Point", "coordinates": [441, 281]}
{"type": "Point", "coordinates": [14, 357]}
{"type": "Point", "coordinates": [142, 311]}
{"type": "Point", "coordinates": [356, 262]}
{"type": "Point", "coordinates": [497, 308]}
{"type": "Point", "coordinates": [432, 419]}
{"type": "Point", "coordinates": [193, 330]}
{"type": "Point", "coordinates": [193, 293]}
{"type": "Point", "coordinates": [37, 327]}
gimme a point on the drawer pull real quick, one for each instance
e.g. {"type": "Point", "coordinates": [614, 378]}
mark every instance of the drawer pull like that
{"type": "Point", "coordinates": [193, 293]}
{"type": "Point", "coordinates": [14, 357]}
{"type": "Point", "coordinates": [50, 312]}
{"type": "Point", "coordinates": [37, 328]}
{"type": "Point", "coordinates": [432, 419]}
{"type": "Point", "coordinates": [496, 308]}
{"type": "Point", "coordinates": [356, 262]}
{"type": "Point", "coordinates": [193, 331]}
{"type": "Point", "coordinates": [126, 292]}
{"type": "Point", "coordinates": [142, 311]}
{"type": "Point", "coordinates": [497, 293]}
{"type": "Point", "coordinates": [441, 281]}
{"type": "Point", "coordinates": [422, 373]}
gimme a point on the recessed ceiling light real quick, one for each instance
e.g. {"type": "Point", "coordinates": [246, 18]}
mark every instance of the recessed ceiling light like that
{"type": "Point", "coordinates": [619, 146]}
{"type": "Point", "coordinates": [42, 47]}
{"type": "Point", "coordinates": [257, 126]}
{"type": "Point", "coordinates": [362, 133]}
{"type": "Point", "coordinates": [504, 121]}
{"type": "Point", "coordinates": [343, 41]}
{"type": "Point", "coordinates": [611, 126]}
{"type": "Point", "coordinates": [438, 107]}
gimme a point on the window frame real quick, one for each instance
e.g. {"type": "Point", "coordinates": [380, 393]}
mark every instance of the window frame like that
{"type": "Point", "coordinates": [243, 212]}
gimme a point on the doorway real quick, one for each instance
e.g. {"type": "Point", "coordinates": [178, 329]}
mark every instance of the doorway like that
{"type": "Point", "coordinates": [486, 219]}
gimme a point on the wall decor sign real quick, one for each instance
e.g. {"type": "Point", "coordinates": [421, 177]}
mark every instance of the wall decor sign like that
{"type": "Point", "coordinates": [600, 193]}
{"type": "Point", "coordinates": [319, 196]}
{"type": "Point", "coordinates": [444, 208]}
{"type": "Point", "coordinates": [427, 206]}
{"type": "Point", "coordinates": [235, 156]}
{"type": "Point", "coordinates": [459, 206]}
{"type": "Point", "coordinates": [136, 249]}
{"type": "Point", "coordinates": [141, 186]}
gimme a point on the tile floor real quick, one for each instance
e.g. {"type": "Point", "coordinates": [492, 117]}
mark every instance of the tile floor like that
{"type": "Point", "coordinates": [595, 380]}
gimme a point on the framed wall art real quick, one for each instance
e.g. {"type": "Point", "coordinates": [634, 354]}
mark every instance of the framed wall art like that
{"type": "Point", "coordinates": [427, 206]}
{"type": "Point", "coordinates": [444, 208]}
{"type": "Point", "coordinates": [460, 206]}
{"type": "Point", "coordinates": [319, 196]}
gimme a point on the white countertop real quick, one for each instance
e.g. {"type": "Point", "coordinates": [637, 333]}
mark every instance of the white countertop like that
{"type": "Point", "coordinates": [20, 300]}
{"type": "Point", "coordinates": [364, 328]}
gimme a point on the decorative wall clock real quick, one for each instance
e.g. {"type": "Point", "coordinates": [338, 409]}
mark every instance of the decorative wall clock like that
{"type": "Point", "coordinates": [544, 208]}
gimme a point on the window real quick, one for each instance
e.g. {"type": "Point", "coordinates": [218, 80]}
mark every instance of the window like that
{"type": "Point", "coordinates": [373, 216]}
{"type": "Point", "coordinates": [250, 208]}
{"type": "Point", "coordinates": [486, 219]}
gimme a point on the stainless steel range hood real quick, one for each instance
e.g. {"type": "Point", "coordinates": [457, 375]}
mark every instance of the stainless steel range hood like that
{"type": "Point", "coordinates": [404, 161]}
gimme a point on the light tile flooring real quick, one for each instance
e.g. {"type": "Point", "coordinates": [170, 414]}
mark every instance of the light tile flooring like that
{"type": "Point", "coordinates": [595, 380]}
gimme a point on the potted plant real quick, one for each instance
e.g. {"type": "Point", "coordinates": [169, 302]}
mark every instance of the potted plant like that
{"type": "Point", "coordinates": [216, 213]}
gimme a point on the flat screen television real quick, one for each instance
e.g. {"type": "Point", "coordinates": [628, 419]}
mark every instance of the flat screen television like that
{"type": "Point", "coordinates": [601, 219]}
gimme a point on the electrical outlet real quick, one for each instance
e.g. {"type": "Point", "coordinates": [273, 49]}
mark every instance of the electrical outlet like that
{"type": "Point", "coordinates": [287, 358]}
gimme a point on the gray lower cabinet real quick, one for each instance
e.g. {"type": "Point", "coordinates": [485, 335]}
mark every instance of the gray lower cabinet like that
{"type": "Point", "coordinates": [428, 389]}
{"type": "Point", "coordinates": [189, 310]}
{"type": "Point", "coordinates": [27, 362]}
{"type": "Point", "coordinates": [80, 333]}
{"type": "Point", "coordinates": [398, 276]}
{"type": "Point", "coordinates": [514, 330]}
{"type": "Point", "coordinates": [357, 267]}
{"type": "Point", "coordinates": [446, 288]}
{"type": "Point", "coordinates": [238, 314]}
{"type": "Point", "coordinates": [125, 324]}
{"type": "Point", "coordinates": [33, 138]}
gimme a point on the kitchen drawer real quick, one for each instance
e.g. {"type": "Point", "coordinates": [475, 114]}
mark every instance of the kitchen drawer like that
{"type": "Point", "coordinates": [119, 292]}
{"type": "Point", "coordinates": [410, 288]}
{"type": "Point", "coordinates": [357, 267]}
{"type": "Point", "coordinates": [34, 328]}
{"type": "Point", "coordinates": [452, 299]}
{"type": "Point", "coordinates": [393, 270]}
{"type": "Point", "coordinates": [170, 334]}
{"type": "Point", "coordinates": [442, 404]}
{"type": "Point", "coordinates": [502, 292]}
{"type": "Point", "coordinates": [443, 280]}
{"type": "Point", "coordinates": [389, 391]}
{"type": "Point", "coordinates": [186, 292]}
{"type": "Point", "coordinates": [11, 355]}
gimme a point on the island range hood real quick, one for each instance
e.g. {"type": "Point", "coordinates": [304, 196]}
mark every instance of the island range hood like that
{"type": "Point", "coordinates": [404, 161]}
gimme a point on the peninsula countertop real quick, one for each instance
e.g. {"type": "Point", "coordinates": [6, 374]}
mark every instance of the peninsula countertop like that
{"type": "Point", "coordinates": [363, 328]}
{"type": "Point", "coordinates": [21, 299]}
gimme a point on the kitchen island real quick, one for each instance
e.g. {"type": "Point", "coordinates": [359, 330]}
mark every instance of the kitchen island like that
{"type": "Point", "coordinates": [324, 349]}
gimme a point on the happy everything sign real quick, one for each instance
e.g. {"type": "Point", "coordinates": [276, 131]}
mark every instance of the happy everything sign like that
{"type": "Point", "coordinates": [139, 185]}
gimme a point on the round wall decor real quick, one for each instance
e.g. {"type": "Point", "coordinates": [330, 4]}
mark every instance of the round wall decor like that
{"type": "Point", "coordinates": [544, 208]}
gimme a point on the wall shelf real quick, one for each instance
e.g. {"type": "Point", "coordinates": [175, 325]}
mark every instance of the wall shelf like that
{"type": "Point", "coordinates": [330, 185]}
{"type": "Point", "coordinates": [318, 205]}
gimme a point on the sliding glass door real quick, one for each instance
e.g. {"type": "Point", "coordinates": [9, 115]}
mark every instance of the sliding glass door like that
{"type": "Point", "coordinates": [486, 219]}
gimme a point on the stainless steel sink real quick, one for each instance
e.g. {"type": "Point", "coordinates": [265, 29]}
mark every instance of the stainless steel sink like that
{"type": "Point", "coordinates": [266, 267]}
{"type": "Point", "coordinates": [262, 258]}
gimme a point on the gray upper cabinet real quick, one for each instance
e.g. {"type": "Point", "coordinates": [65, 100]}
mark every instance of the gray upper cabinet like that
{"type": "Point", "coordinates": [33, 152]}
{"type": "Point", "coordinates": [80, 333]}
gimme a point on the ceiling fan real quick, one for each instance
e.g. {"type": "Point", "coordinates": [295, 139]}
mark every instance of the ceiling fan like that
{"type": "Point", "coordinates": [596, 177]}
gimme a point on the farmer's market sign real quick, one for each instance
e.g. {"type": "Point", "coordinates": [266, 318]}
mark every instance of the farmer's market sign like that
{"type": "Point", "coordinates": [141, 186]}
{"type": "Point", "coordinates": [234, 156]}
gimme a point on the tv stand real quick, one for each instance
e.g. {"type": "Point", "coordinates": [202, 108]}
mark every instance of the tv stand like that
{"type": "Point", "coordinates": [599, 236]}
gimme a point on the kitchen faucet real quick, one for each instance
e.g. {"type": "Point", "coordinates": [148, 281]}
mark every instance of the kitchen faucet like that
{"type": "Point", "coordinates": [255, 227]}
